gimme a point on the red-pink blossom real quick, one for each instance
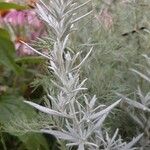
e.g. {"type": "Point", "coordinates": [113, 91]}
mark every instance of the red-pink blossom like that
{"type": "Point", "coordinates": [21, 18]}
{"type": "Point", "coordinates": [27, 26]}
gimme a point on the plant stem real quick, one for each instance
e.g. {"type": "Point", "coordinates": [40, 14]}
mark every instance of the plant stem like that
{"type": "Point", "coordinates": [3, 142]}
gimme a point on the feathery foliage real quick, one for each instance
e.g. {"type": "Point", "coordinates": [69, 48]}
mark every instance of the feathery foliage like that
{"type": "Point", "coordinates": [78, 119]}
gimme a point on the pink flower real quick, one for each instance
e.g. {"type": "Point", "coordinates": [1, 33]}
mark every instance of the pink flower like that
{"type": "Point", "coordinates": [33, 20]}
{"type": "Point", "coordinates": [15, 17]}
{"type": "Point", "coordinates": [31, 28]}
{"type": "Point", "coordinates": [23, 50]}
{"type": "Point", "coordinates": [21, 18]}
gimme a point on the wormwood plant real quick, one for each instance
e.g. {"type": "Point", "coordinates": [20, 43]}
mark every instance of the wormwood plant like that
{"type": "Point", "coordinates": [77, 118]}
{"type": "Point", "coordinates": [139, 109]}
{"type": "Point", "coordinates": [117, 47]}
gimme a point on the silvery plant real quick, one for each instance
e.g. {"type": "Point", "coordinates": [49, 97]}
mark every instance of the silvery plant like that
{"type": "Point", "coordinates": [78, 118]}
{"type": "Point", "coordinates": [139, 109]}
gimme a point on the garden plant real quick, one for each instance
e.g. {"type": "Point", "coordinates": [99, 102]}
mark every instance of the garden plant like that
{"type": "Point", "coordinates": [75, 75]}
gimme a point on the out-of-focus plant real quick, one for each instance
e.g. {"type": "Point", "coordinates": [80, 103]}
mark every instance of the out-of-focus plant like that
{"type": "Point", "coordinates": [77, 118]}
{"type": "Point", "coordinates": [16, 75]}
{"type": "Point", "coordinates": [23, 25]}
{"type": "Point", "coordinates": [7, 51]}
{"type": "Point", "coordinates": [139, 109]}
{"type": "Point", "coordinates": [116, 49]}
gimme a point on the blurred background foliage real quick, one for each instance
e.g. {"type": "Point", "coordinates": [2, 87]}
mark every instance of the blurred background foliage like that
{"type": "Point", "coordinates": [16, 74]}
{"type": "Point", "coordinates": [119, 32]}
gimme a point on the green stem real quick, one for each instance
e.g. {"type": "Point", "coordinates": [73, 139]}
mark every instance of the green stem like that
{"type": "Point", "coordinates": [3, 142]}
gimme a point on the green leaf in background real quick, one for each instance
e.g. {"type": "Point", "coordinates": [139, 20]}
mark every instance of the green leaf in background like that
{"type": "Point", "coordinates": [4, 34]}
{"type": "Point", "coordinates": [7, 52]}
{"type": "Point", "coordinates": [7, 6]}
{"type": "Point", "coordinates": [34, 141]}
{"type": "Point", "coordinates": [12, 106]}
{"type": "Point", "coordinates": [30, 60]}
